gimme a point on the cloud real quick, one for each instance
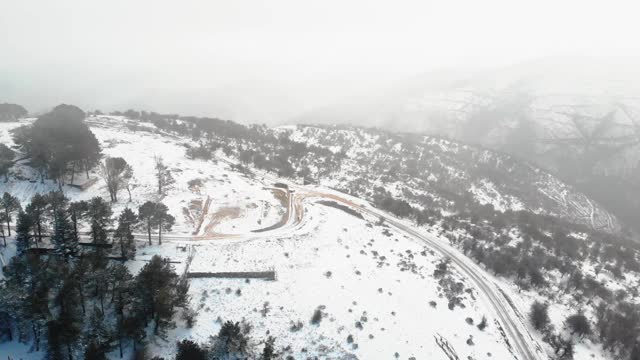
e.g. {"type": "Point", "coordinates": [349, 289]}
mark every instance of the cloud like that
{"type": "Point", "coordinates": [285, 56]}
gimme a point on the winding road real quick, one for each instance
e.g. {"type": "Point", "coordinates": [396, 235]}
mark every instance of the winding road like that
{"type": "Point", "coordinates": [520, 342]}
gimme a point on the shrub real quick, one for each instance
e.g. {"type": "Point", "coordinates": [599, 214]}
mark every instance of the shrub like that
{"type": "Point", "coordinates": [579, 324]}
{"type": "Point", "coordinates": [296, 326]}
{"type": "Point", "coordinates": [317, 317]}
{"type": "Point", "coordinates": [483, 323]}
{"type": "Point", "coordinates": [539, 315]}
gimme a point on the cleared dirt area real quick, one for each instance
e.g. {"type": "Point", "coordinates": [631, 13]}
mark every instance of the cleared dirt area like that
{"type": "Point", "coordinates": [216, 218]}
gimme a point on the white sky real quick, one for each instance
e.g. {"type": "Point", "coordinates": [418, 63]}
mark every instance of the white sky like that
{"type": "Point", "coordinates": [261, 60]}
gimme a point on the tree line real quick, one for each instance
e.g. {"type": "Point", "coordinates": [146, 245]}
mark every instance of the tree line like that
{"type": "Point", "coordinates": [12, 112]}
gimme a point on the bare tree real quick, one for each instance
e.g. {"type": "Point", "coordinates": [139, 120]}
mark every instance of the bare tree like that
{"type": "Point", "coordinates": [163, 175]}
{"type": "Point", "coordinates": [128, 179]}
{"type": "Point", "coordinates": [117, 174]}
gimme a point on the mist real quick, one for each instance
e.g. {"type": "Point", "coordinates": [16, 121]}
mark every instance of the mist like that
{"type": "Point", "coordinates": [269, 62]}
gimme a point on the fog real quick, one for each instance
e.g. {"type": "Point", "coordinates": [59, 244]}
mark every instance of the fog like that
{"type": "Point", "coordinates": [270, 61]}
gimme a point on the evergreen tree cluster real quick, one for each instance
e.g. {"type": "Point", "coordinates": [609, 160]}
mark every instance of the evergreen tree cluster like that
{"type": "Point", "coordinates": [70, 296]}
{"type": "Point", "coordinates": [12, 112]}
{"type": "Point", "coordinates": [59, 143]}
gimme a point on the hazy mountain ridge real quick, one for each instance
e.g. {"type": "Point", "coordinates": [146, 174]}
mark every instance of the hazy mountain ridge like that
{"type": "Point", "coordinates": [579, 121]}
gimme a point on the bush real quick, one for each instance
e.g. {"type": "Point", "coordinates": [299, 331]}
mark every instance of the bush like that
{"type": "Point", "coordinates": [539, 315]}
{"type": "Point", "coordinates": [317, 317]}
{"type": "Point", "coordinates": [579, 324]}
{"type": "Point", "coordinates": [483, 323]}
{"type": "Point", "coordinates": [297, 326]}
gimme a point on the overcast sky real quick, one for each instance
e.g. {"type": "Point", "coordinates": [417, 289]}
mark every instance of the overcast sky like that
{"type": "Point", "coordinates": [262, 61]}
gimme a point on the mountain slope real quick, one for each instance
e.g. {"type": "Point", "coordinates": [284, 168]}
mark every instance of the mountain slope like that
{"type": "Point", "coordinates": [429, 171]}
{"type": "Point", "coordinates": [577, 118]}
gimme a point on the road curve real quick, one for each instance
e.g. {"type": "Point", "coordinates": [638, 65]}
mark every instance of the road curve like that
{"type": "Point", "coordinates": [523, 345]}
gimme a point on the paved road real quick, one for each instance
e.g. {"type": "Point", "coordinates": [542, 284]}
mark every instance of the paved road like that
{"type": "Point", "coordinates": [523, 346]}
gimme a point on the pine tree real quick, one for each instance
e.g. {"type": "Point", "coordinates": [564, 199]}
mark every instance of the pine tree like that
{"type": "Point", "coordinates": [99, 214]}
{"type": "Point", "coordinates": [63, 237]}
{"type": "Point", "coordinates": [37, 285]}
{"type": "Point", "coordinates": [98, 332]}
{"type": "Point", "coordinates": [36, 211]}
{"type": "Point", "coordinates": [123, 234]}
{"type": "Point", "coordinates": [122, 282]}
{"type": "Point", "coordinates": [134, 323]}
{"type": "Point", "coordinates": [77, 211]}
{"type": "Point", "coordinates": [146, 214]}
{"type": "Point", "coordinates": [10, 204]}
{"type": "Point", "coordinates": [69, 318]}
{"type": "Point", "coordinates": [23, 232]}
{"type": "Point", "coordinates": [54, 343]}
{"type": "Point", "coordinates": [55, 201]}
{"type": "Point", "coordinates": [157, 283]}
{"type": "Point", "coordinates": [80, 274]}
{"type": "Point", "coordinates": [164, 220]}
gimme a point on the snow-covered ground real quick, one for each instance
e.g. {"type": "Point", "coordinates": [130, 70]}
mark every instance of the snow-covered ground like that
{"type": "Point", "coordinates": [373, 284]}
{"type": "Point", "coordinates": [370, 282]}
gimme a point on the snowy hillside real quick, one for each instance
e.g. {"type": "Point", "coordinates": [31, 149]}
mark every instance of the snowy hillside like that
{"type": "Point", "coordinates": [417, 168]}
{"type": "Point", "coordinates": [373, 285]}
{"type": "Point", "coordinates": [578, 119]}
{"type": "Point", "coordinates": [352, 280]}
